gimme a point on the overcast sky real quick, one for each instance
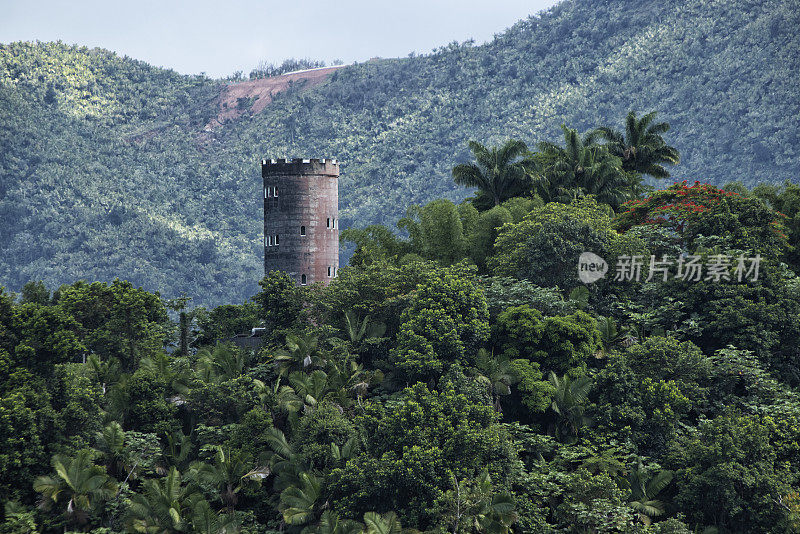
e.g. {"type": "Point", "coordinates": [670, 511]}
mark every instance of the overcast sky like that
{"type": "Point", "coordinates": [203, 36]}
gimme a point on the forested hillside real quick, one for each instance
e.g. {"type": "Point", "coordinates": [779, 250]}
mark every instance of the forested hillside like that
{"type": "Point", "coordinates": [460, 381]}
{"type": "Point", "coordinates": [107, 167]}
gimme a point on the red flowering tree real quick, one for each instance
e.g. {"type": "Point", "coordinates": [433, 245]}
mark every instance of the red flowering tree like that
{"type": "Point", "coordinates": [702, 209]}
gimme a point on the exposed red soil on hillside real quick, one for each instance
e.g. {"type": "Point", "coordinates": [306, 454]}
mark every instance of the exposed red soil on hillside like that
{"type": "Point", "coordinates": [263, 90]}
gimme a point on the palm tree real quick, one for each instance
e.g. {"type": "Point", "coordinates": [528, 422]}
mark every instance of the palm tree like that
{"type": "Point", "coordinates": [311, 389]}
{"type": "Point", "coordinates": [79, 481]}
{"type": "Point", "coordinates": [609, 460]}
{"type": "Point", "coordinates": [474, 504]}
{"type": "Point", "coordinates": [174, 372]}
{"type": "Point", "coordinates": [227, 474]}
{"type": "Point", "coordinates": [498, 173]}
{"type": "Point", "coordinates": [345, 376]}
{"type": "Point", "coordinates": [207, 521]}
{"type": "Point", "coordinates": [178, 448]}
{"type": "Point", "coordinates": [497, 374]}
{"type": "Point", "coordinates": [105, 372]}
{"type": "Point", "coordinates": [609, 335]}
{"type": "Point", "coordinates": [387, 523]}
{"type": "Point", "coordinates": [330, 523]}
{"type": "Point", "coordinates": [345, 452]}
{"type": "Point", "coordinates": [579, 168]}
{"type": "Point", "coordinates": [164, 506]}
{"type": "Point", "coordinates": [223, 363]}
{"type": "Point", "coordinates": [301, 352]}
{"type": "Point", "coordinates": [184, 322]}
{"type": "Point", "coordinates": [279, 401]}
{"type": "Point", "coordinates": [299, 503]}
{"type": "Point", "coordinates": [286, 464]}
{"type": "Point", "coordinates": [569, 398]}
{"type": "Point", "coordinates": [358, 330]}
{"type": "Point", "coordinates": [111, 444]}
{"type": "Point", "coordinates": [644, 490]}
{"type": "Point", "coordinates": [642, 148]}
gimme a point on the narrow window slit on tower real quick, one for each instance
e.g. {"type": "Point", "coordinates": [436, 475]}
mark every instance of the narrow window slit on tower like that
{"type": "Point", "coordinates": [329, 222]}
{"type": "Point", "coordinates": [277, 240]}
{"type": "Point", "coordinates": [275, 191]}
{"type": "Point", "coordinates": [329, 270]}
{"type": "Point", "coordinates": [303, 280]}
{"type": "Point", "coordinates": [302, 230]}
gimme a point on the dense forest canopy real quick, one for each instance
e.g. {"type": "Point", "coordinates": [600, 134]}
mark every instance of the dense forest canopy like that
{"type": "Point", "coordinates": [109, 165]}
{"type": "Point", "coordinates": [461, 379]}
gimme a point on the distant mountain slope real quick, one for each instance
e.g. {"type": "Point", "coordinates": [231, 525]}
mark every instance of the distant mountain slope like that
{"type": "Point", "coordinates": [254, 95]}
{"type": "Point", "coordinates": [107, 167]}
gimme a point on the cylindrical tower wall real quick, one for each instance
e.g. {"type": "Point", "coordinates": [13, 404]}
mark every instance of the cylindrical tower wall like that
{"type": "Point", "coordinates": [301, 218]}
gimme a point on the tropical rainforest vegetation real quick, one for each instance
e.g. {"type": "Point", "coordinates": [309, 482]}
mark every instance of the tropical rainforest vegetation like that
{"type": "Point", "coordinates": [111, 167]}
{"type": "Point", "coordinates": [455, 377]}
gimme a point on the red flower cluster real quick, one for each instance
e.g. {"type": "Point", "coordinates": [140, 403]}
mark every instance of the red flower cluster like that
{"type": "Point", "coordinates": [681, 205]}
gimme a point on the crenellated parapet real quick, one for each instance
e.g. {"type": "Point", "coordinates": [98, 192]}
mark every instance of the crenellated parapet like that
{"type": "Point", "coordinates": [328, 167]}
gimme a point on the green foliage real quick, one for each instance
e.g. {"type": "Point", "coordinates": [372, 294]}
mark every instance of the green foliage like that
{"type": "Point", "coordinates": [305, 435]}
{"type": "Point", "coordinates": [784, 199]}
{"type": "Point", "coordinates": [642, 148]}
{"type": "Point", "coordinates": [411, 446]}
{"type": "Point", "coordinates": [220, 403]}
{"type": "Point", "coordinates": [280, 300]}
{"type": "Point", "coordinates": [321, 431]}
{"type": "Point", "coordinates": [226, 475]}
{"type": "Point", "coordinates": [473, 505]}
{"type": "Point", "coordinates": [581, 168]}
{"type": "Point", "coordinates": [77, 402]}
{"type": "Point", "coordinates": [484, 233]}
{"type": "Point", "coordinates": [164, 505]}
{"type": "Point", "coordinates": [79, 482]}
{"type": "Point", "coordinates": [559, 344]}
{"type": "Point", "coordinates": [435, 231]}
{"type": "Point", "coordinates": [498, 173]}
{"type": "Point", "coordinates": [116, 320]}
{"type": "Point", "coordinates": [760, 317]}
{"type": "Point", "coordinates": [27, 433]}
{"type": "Point", "coordinates": [446, 321]}
{"type": "Point", "coordinates": [225, 321]}
{"type": "Point", "coordinates": [704, 210]}
{"type": "Point", "coordinates": [375, 243]}
{"type": "Point", "coordinates": [727, 470]}
{"type": "Point", "coordinates": [544, 247]}
{"type": "Point", "coordinates": [651, 388]}
{"type": "Point", "coordinates": [570, 396]}
{"type": "Point", "coordinates": [35, 293]}
{"type": "Point", "coordinates": [299, 503]}
{"type": "Point", "coordinates": [535, 393]}
{"type": "Point", "coordinates": [142, 403]}
{"type": "Point", "coordinates": [51, 336]}
{"type": "Point", "coordinates": [644, 488]}
{"type": "Point", "coordinates": [18, 520]}
{"type": "Point", "coordinates": [503, 293]}
{"type": "Point", "coordinates": [302, 352]}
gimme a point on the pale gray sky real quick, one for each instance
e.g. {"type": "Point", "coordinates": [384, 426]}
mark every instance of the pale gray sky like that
{"type": "Point", "coordinates": [221, 37]}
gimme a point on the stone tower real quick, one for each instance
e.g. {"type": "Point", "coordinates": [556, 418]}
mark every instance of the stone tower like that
{"type": "Point", "coordinates": [301, 218]}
